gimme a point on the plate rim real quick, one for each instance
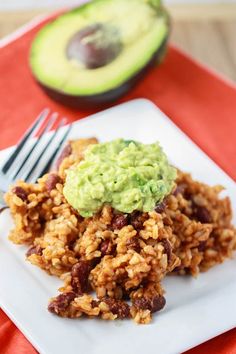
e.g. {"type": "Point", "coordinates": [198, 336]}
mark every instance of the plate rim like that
{"type": "Point", "coordinates": [96, 116]}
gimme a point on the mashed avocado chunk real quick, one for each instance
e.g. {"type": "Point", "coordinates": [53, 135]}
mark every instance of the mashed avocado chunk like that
{"type": "Point", "coordinates": [126, 174]}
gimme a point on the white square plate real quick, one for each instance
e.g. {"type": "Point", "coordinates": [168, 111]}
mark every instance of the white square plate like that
{"type": "Point", "coordinates": [196, 310]}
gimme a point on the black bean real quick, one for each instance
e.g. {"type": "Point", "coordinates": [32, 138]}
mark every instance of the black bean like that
{"type": "Point", "coordinates": [107, 247]}
{"type": "Point", "coordinates": [133, 244]}
{"type": "Point", "coordinates": [65, 152]}
{"type": "Point", "coordinates": [52, 181]}
{"type": "Point", "coordinates": [61, 302]}
{"type": "Point", "coordinates": [34, 250]}
{"type": "Point", "coordinates": [167, 247]}
{"type": "Point", "coordinates": [137, 219]}
{"type": "Point", "coordinates": [160, 207]}
{"type": "Point", "coordinates": [202, 246]}
{"type": "Point", "coordinates": [118, 307]}
{"type": "Point", "coordinates": [202, 214]}
{"type": "Point", "coordinates": [153, 304]}
{"type": "Point", "coordinates": [95, 303]}
{"type": "Point", "coordinates": [180, 189]}
{"type": "Point", "coordinates": [79, 277]}
{"type": "Point", "coordinates": [20, 192]}
{"type": "Point", "coordinates": [119, 221]}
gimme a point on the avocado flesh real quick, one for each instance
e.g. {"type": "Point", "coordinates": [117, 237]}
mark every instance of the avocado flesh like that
{"type": "Point", "coordinates": [102, 100]}
{"type": "Point", "coordinates": [143, 29]}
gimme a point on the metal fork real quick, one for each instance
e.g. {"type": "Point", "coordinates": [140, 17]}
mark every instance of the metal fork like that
{"type": "Point", "coordinates": [24, 161]}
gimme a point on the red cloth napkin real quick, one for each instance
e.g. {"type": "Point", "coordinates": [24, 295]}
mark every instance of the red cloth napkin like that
{"type": "Point", "coordinates": [199, 102]}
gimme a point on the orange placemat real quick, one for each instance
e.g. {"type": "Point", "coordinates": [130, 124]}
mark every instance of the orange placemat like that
{"type": "Point", "coordinates": [202, 104]}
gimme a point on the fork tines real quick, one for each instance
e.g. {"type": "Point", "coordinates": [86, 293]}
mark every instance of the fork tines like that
{"type": "Point", "coordinates": [53, 154]}
{"type": "Point", "coordinates": [28, 134]}
{"type": "Point", "coordinates": [24, 162]}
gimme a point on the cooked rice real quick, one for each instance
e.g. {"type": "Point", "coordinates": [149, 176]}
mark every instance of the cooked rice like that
{"type": "Point", "coordinates": [120, 257]}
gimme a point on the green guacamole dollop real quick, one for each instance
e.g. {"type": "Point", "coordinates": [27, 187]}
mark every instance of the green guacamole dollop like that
{"type": "Point", "coordinates": [126, 174]}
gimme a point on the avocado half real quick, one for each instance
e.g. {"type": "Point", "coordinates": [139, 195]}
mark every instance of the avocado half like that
{"type": "Point", "coordinates": [95, 53]}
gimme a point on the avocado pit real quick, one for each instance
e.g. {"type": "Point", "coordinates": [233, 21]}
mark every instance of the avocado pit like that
{"type": "Point", "coordinates": [95, 45]}
{"type": "Point", "coordinates": [84, 60]}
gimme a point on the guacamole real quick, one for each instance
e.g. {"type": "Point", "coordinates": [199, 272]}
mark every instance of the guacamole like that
{"type": "Point", "coordinates": [126, 174]}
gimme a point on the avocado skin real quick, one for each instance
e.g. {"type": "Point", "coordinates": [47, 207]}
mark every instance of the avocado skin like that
{"type": "Point", "coordinates": [108, 97]}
